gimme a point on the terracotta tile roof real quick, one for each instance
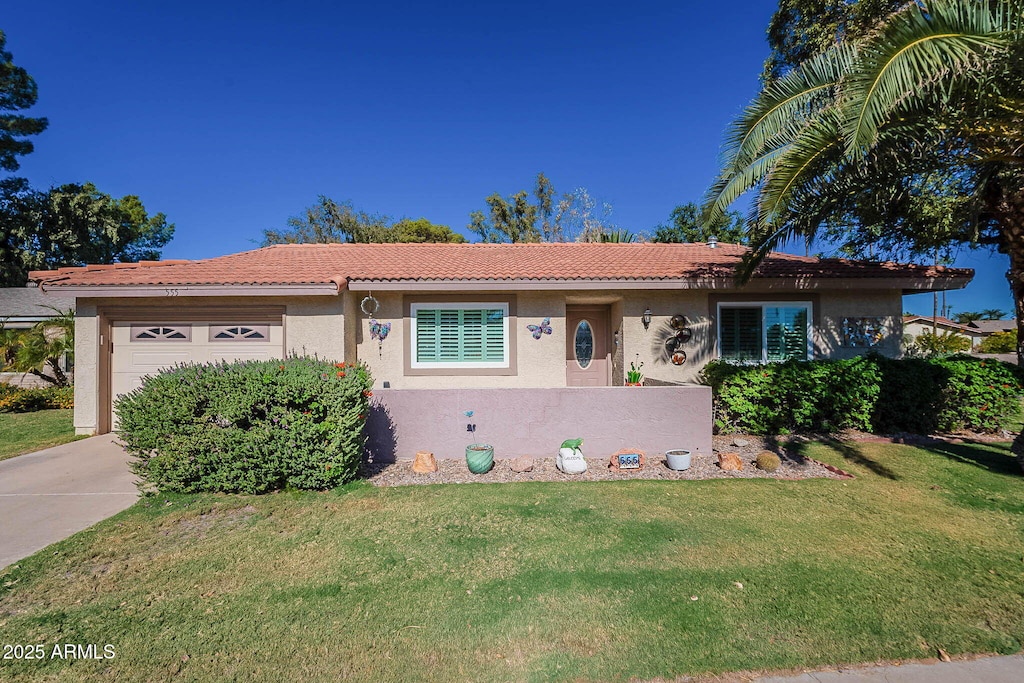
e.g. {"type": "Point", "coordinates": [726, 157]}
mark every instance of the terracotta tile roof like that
{"type": "Point", "coordinates": [313, 264]}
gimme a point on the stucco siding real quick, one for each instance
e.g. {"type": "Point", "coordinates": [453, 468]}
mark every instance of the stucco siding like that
{"type": "Point", "coordinates": [87, 348]}
{"type": "Point", "coordinates": [539, 362]}
{"type": "Point", "coordinates": [315, 326]}
{"type": "Point", "coordinates": [885, 304]}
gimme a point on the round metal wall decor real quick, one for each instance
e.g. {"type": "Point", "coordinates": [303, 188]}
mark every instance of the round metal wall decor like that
{"type": "Point", "coordinates": [677, 322]}
{"type": "Point", "coordinates": [369, 306]}
{"type": "Point", "coordinates": [678, 358]}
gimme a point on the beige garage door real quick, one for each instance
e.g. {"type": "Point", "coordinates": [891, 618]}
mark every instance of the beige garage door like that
{"type": "Point", "coordinates": [145, 348]}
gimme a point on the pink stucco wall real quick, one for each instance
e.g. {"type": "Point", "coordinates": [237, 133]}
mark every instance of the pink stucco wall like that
{"type": "Point", "coordinates": [534, 422]}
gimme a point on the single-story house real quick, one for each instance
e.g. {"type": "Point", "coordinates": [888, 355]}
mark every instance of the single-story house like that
{"type": "Point", "coordinates": [20, 309]}
{"type": "Point", "coordinates": [916, 325]}
{"type": "Point", "coordinates": [512, 317]}
{"type": "Point", "coordinates": [986, 327]}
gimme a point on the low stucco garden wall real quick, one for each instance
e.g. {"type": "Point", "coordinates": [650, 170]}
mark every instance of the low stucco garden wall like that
{"type": "Point", "coordinates": [534, 422]}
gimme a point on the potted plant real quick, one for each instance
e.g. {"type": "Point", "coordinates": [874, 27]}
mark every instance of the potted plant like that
{"type": "Point", "coordinates": [479, 458]}
{"type": "Point", "coordinates": [634, 378]}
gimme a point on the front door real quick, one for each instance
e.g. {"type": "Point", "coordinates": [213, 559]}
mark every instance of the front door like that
{"type": "Point", "coordinates": [588, 348]}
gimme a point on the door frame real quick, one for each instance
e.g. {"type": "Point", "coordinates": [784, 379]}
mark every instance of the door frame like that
{"type": "Point", "coordinates": [606, 311]}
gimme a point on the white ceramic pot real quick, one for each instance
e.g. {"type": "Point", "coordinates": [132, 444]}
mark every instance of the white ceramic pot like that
{"type": "Point", "coordinates": [678, 459]}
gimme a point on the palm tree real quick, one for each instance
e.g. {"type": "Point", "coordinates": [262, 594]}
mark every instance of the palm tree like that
{"type": "Point", "coordinates": [43, 347]}
{"type": "Point", "coordinates": [911, 139]}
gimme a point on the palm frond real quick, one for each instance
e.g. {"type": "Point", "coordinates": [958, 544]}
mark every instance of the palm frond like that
{"type": "Point", "coordinates": [916, 50]}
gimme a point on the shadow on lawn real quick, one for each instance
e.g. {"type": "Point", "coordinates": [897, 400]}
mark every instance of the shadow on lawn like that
{"type": "Point", "coordinates": [979, 455]}
{"type": "Point", "coordinates": [850, 452]}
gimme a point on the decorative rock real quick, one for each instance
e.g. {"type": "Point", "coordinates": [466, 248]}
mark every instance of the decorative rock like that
{"type": "Point", "coordinates": [730, 462]}
{"type": "Point", "coordinates": [424, 463]}
{"type": "Point", "coordinates": [523, 463]}
{"type": "Point", "coordinates": [740, 443]}
{"type": "Point", "coordinates": [627, 459]}
{"type": "Point", "coordinates": [570, 461]}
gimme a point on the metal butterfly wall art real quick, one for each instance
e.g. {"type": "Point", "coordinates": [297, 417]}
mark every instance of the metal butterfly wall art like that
{"type": "Point", "coordinates": [543, 328]}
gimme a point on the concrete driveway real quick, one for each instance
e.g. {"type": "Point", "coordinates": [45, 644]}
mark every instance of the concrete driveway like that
{"type": "Point", "coordinates": [50, 494]}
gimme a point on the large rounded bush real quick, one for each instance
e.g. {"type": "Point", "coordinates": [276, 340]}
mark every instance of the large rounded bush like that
{"type": "Point", "coordinates": [248, 427]}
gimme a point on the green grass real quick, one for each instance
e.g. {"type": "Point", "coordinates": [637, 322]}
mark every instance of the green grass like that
{"type": "Point", "coordinates": [26, 432]}
{"type": "Point", "coordinates": [541, 582]}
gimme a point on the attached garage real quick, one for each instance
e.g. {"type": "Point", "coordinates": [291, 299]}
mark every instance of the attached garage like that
{"type": "Point", "coordinates": [138, 345]}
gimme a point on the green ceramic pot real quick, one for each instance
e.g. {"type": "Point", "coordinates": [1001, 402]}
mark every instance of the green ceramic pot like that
{"type": "Point", "coordinates": [479, 458]}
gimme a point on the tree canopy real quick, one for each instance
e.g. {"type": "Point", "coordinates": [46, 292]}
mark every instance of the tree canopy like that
{"type": "Point", "coordinates": [17, 92]}
{"type": "Point", "coordinates": [329, 221]}
{"type": "Point", "coordinates": [536, 217]}
{"type": "Point", "coordinates": [801, 29]}
{"type": "Point", "coordinates": [686, 226]}
{"type": "Point", "coordinates": [73, 225]}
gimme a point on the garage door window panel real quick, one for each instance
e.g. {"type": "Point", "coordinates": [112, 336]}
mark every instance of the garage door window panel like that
{"type": "Point", "coordinates": [237, 333]}
{"type": "Point", "coordinates": [161, 333]}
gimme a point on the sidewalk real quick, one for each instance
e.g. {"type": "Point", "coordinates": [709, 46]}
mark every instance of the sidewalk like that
{"type": "Point", "coordinates": [985, 670]}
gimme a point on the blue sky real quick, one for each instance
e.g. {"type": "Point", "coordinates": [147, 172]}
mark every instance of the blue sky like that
{"type": "Point", "coordinates": [231, 117]}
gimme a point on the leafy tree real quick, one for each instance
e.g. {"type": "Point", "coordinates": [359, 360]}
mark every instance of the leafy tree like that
{"type": "Point", "coordinates": [801, 29]}
{"type": "Point", "coordinates": [17, 92]}
{"type": "Point", "coordinates": [41, 349]}
{"type": "Point", "coordinates": [329, 221]}
{"type": "Point", "coordinates": [73, 225]}
{"type": "Point", "coordinates": [993, 314]}
{"type": "Point", "coordinates": [686, 226]}
{"type": "Point", "coordinates": [999, 342]}
{"type": "Point", "coordinates": [522, 217]}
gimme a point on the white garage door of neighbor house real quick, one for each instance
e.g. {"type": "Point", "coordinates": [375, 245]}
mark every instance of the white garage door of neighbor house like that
{"type": "Point", "coordinates": [142, 349]}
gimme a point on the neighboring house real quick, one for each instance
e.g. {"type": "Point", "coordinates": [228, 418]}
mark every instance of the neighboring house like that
{"type": "Point", "coordinates": [987, 327]}
{"type": "Point", "coordinates": [916, 325]}
{"type": "Point", "coordinates": [483, 316]}
{"type": "Point", "coordinates": [20, 309]}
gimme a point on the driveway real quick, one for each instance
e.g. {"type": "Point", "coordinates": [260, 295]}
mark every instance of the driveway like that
{"type": "Point", "coordinates": [50, 494]}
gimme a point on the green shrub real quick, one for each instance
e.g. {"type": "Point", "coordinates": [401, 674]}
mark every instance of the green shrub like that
{"type": "Point", "coordinates": [999, 342]}
{"type": "Point", "coordinates": [23, 400]}
{"type": "Point", "coordinates": [247, 427]}
{"type": "Point", "coordinates": [929, 344]}
{"type": "Point", "coordinates": [767, 461]}
{"type": "Point", "coordinates": [777, 398]}
{"type": "Point", "coordinates": [869, 393]}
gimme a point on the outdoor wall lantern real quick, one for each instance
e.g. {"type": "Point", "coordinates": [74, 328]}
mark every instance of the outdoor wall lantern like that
{"type": "Point", "coordinates": [646, 318]}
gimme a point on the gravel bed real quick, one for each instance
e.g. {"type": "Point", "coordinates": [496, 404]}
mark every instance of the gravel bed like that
{"type": "Point", "coordinates": [704, 466]}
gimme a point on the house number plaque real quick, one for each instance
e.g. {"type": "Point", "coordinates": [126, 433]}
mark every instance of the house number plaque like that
{"type": "Point", "coordinates": [628, 459]}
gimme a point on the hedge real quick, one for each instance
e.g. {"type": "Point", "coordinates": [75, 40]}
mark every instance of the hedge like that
{"type": "Point", "coordinates": [26, 400]}
{"type": "Point", "coordinates": [247, 427]}
{"type": "Point", "coordinates": [869, 393]}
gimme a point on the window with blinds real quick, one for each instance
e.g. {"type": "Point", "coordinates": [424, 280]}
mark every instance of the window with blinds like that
{"type": "Point", "coordinates": [764, 332]}
{"type": "Point", "coordinates": [474, 335]}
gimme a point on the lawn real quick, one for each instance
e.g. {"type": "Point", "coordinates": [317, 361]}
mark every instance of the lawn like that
{"type": "Point", "coordinates": [27, 432]}
{"type": "Point", "coordinates": [538, 582]}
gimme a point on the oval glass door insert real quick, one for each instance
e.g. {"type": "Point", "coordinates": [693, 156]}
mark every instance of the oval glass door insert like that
{"type": "Point", "coordinates": [584, 344]}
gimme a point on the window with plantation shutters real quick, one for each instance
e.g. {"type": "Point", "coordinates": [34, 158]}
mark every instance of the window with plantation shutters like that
{"type": "Point", "coordinates": [762, 332]}
{"type": "Point", "coordinates": [740, 333]}
{"type": "Point", "coordinates": [460, 335]}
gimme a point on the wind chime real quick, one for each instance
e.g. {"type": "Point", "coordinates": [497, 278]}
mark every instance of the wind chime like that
{"type": "Point", "coordinates": [378, 330]}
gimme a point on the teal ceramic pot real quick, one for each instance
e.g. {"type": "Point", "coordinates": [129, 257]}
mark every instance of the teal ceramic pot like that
{"type": "Point", "coordinates": [479, 458]}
